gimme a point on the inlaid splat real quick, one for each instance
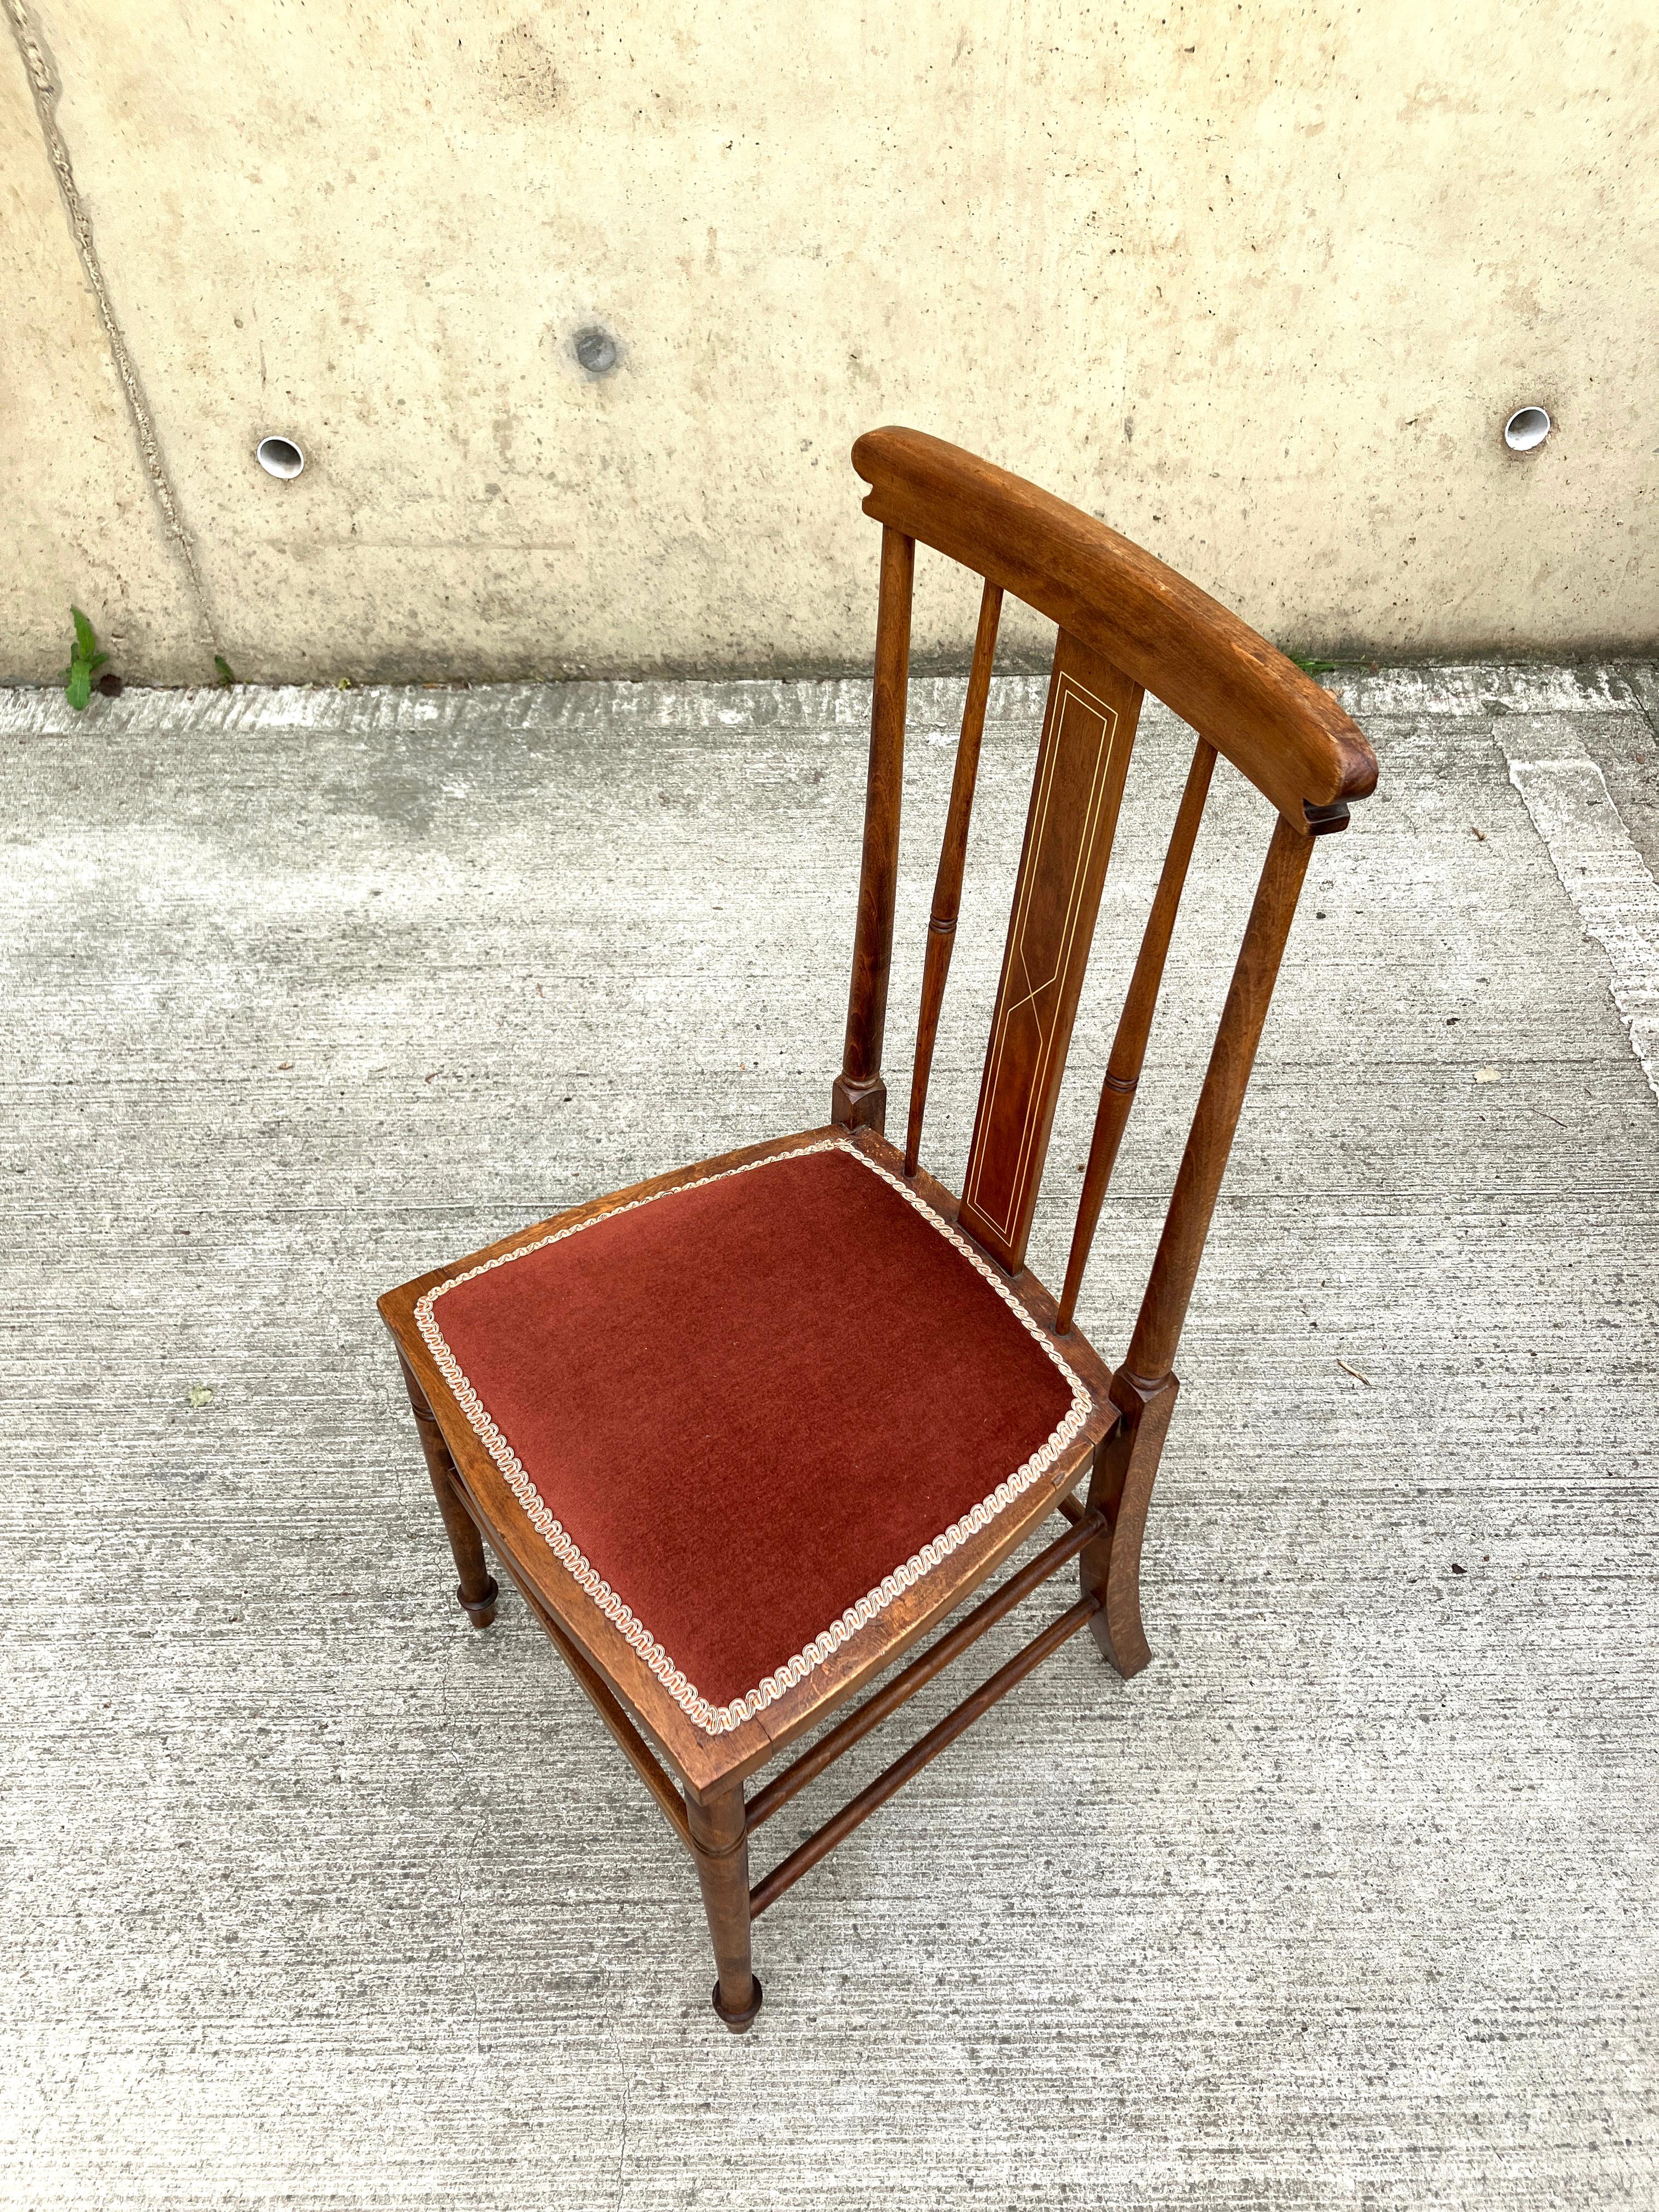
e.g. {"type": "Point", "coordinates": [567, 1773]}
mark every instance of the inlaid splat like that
{"type": "Point", "coordinates": [1087, 735]}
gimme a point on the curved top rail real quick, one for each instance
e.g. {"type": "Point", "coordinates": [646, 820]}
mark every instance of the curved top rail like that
{"type": "Point", "coordinates": [1274, 723]}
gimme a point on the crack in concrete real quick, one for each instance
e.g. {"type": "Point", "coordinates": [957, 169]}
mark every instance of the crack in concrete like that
{"type": "Point", "coordinates": [621, 2149]}
{"type": "Point", "coordinates": [45, 86]}
{"type": "Point", "coordinates": [1645, 688]}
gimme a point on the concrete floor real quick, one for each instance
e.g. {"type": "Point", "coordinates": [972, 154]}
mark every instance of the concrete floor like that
{"type": "Point", "coordinates": [317, 1898]}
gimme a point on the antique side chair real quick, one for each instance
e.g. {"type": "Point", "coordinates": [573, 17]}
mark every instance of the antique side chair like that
{"type": "Point", "coordinates": [733, 1488]}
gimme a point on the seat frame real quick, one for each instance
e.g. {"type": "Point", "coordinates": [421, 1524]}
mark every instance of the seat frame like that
{"type": "Point", "coordinates": [1126, 623]}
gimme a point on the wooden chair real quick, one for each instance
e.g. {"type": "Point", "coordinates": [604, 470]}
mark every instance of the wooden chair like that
{"type": "Point", "coordinates": [743, 1433]}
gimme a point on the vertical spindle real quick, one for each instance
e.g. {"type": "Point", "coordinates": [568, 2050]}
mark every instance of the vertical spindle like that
{"type": "Point", "coordinates": [1175, 1270]}
{"type": "Point", "coordinates": [953, 854]}
{"type": "Point", "coordinates": [859, 1096]}
{"type": "Point", "coordinates": [1134, 1025]}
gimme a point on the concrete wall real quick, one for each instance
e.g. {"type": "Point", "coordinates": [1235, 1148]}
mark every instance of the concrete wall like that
{"type": "Point", "coordinates": [1258, 283]}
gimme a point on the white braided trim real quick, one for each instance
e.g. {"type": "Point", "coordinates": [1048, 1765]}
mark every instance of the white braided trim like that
{"type": "Point", "coordinates": [717, 1720]}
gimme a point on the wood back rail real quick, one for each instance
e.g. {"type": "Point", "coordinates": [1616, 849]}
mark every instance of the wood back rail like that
{"type": "Point", "coordinates": [1272, 720]}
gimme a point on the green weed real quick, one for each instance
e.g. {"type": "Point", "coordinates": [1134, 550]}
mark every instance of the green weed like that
{"type": "Point", "coordinates": [76, 678]}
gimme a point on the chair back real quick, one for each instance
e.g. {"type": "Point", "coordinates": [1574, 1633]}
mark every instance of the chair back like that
{"type": "Point", "coordinates": [1127, 625]}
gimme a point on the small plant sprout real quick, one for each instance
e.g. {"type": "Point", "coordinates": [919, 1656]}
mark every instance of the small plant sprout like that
{"type": "Point", "coordinates": [76, 678]}
{"type": "Point", "coordinates": [227, 673]}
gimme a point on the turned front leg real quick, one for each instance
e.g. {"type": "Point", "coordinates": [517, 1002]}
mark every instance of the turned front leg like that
{"type": "Point", "coordinates": [477, 1589]}
{"type": "Point", "coordinates": [720, 1844]}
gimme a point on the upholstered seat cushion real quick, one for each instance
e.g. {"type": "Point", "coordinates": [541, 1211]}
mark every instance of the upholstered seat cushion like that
{"type": "Point", "coordinates": [747, 1413]}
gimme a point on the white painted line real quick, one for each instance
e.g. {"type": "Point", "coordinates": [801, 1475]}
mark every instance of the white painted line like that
{"type": "Point", "coordinates": [1608, 881]}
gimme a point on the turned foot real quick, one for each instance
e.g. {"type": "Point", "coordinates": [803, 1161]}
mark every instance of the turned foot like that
{"type": "Point", "coordinates": [738, 2019]}
{"type": "Point", "coordinates": [479, 1610]}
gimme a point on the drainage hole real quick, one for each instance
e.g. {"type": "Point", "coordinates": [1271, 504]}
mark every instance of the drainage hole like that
{"type": "Point", "coordinates": [279, 457]}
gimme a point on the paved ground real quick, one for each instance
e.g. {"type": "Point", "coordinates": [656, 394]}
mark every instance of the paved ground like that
{"type": "Point", "coordinates": [317, 1898]}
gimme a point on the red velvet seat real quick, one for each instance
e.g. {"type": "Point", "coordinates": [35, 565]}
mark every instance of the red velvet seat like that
{"type": "Point", "coordinates": [747, 1413]}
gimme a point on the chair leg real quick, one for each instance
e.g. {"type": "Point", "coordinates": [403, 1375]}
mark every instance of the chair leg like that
{"type": "Point", "coordinates": [477, 1590]}
{"type": "Point", "coordinates": [720, 1844]}
{"type": "Point", "coordinates": [1120, 1486]}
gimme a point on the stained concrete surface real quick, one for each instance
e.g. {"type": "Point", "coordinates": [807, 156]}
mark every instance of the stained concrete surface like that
{"type": "Point", "coordinates": [317, 1898]}
{"type": "Point", "coordinates": [1259, 287]}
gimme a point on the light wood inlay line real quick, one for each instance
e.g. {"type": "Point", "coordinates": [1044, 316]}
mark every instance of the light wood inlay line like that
{"type": "Point", "coordinates": [1070, 697]}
